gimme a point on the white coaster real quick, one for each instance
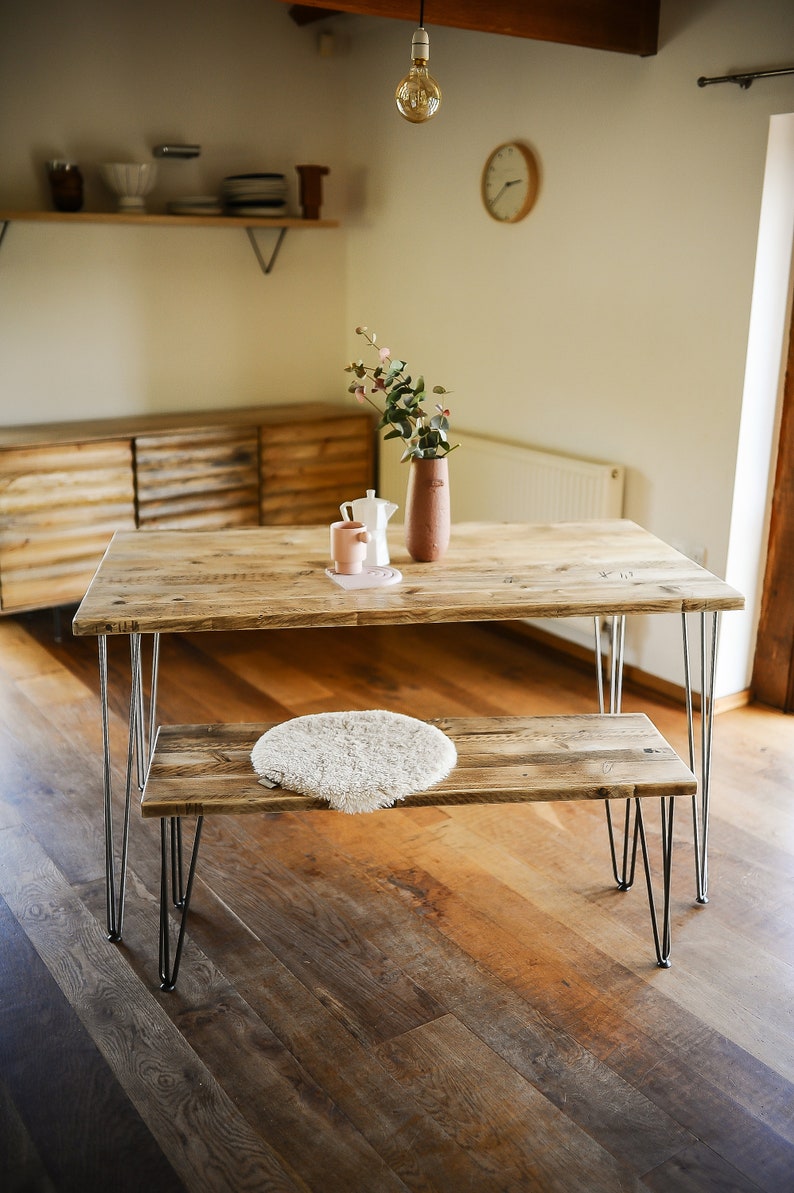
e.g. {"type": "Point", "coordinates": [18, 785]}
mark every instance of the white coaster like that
{"type": "Point", "coordinates": [368, 577]}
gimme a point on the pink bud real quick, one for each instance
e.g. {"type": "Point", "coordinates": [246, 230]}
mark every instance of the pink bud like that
{"type": "Point", "coordinates": [360, 394]}
{"type": "Point", "coordinates": [384, 354]}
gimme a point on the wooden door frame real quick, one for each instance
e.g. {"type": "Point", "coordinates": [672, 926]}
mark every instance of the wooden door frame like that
{"type": "Point", "coordinates": [773, 666]}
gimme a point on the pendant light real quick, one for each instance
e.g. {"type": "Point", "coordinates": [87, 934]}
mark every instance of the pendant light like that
{"type": "Point", "coordinates": [418, 95]}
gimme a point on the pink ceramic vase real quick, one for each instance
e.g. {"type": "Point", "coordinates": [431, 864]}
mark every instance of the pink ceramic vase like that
{"type": "Point", "coordinates": [427, 516]}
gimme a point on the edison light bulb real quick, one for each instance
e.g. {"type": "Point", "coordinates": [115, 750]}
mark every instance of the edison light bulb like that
{"type": "Point", "coordinates": [418, 95]}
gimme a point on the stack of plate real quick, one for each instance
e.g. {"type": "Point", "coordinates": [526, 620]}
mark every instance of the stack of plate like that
{"type": "Point", "coordinates": [196, 205]}
{"type": "Point", "coordinates": [255, 194]}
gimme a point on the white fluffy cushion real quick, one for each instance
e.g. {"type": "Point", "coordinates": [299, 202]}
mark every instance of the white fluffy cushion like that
{"type": "Point", "coordinates": [357, 761]}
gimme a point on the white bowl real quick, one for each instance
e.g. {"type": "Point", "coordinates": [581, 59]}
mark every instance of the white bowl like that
{"type": "Point", "coordinates": [130, 182]}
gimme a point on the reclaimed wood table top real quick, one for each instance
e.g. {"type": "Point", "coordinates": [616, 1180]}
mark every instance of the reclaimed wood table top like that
{"type": "Point", "coordinates": [200, 770]}
{"type": "Point", "coordinates": [161, 581]}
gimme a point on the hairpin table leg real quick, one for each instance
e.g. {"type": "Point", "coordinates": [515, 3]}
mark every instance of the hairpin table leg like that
{"type": "Point", "coordinates": [115, 890]}
{"type": "Point", "coordinates": [709, 632]}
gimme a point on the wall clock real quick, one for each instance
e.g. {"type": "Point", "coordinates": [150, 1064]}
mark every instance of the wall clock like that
{"type": "Point", "coordinates": [509, 182]}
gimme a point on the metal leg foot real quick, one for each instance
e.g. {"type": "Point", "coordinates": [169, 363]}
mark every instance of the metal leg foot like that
{"type": "Point", "coordinates": [169, 969]}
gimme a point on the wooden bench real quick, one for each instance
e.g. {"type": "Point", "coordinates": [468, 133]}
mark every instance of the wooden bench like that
{"type": "Point", "coordinates": [201, 770]}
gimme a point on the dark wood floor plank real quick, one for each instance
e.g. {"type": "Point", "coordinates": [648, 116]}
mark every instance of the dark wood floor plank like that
{"type": "Point", "coordinates": [421, 1155]}
{"type": "Point", "coordinates": [417, 1151]}
{"type": "Point", "coordinates": [174, 1093]}
{"type": "Point", "coordinates": [487, 1108]}
{"type": "Point", "coordinates": [365, 989]}
{"type": "Point", "coordinates": [61, 1087]}
{"type": "Point", "coordinates": [270, 1088]}
{"type": "Point", "coordinates": [370, 894]}
{"type": "Point", "coordinates": [586, 992]}
{"type": "Point", "coordinates": [20, 1163]}
{"type": "Point", "coordinates": [699, 1168]}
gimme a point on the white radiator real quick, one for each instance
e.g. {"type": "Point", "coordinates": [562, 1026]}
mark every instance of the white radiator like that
{"type": "Point", "coordinates": [495, 481]}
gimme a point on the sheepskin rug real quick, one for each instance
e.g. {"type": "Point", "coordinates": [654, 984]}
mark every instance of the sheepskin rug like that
{"type": "Point", "coordinates": [357, 761]}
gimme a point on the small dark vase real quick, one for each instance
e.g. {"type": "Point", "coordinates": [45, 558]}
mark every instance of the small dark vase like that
{"type": "Point", "coordinates": [311, 189]}
{"type": "Point", "coordinates": [427, 513]}
{"type": "Point", "coordinates": [66, 183]}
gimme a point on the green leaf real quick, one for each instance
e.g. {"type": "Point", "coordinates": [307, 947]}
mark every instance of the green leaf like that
{"type": "Point", "coordinates": [439, 389]}
{"type": "Point", "coordinates": [420, 385]}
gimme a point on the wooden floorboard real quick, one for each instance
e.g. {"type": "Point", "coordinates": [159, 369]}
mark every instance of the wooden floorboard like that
{"type": "Point", "coordinates": [58, 1088]}
{"type": "Point", "coordinates": [429, 999]}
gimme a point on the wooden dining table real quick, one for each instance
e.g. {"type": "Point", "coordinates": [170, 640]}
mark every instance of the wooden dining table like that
{"type": "Point", "coordinates": [179, 581]}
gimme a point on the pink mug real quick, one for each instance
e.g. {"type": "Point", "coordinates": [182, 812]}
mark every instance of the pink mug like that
{"type": "Point", "coordinates": [349, 547]}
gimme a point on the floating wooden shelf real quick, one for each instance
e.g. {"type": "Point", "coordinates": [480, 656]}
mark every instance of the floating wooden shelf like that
{"type": "Point", "coordinates": [279, 224]}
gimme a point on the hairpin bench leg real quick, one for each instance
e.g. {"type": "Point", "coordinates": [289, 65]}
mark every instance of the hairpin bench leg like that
{"type": "Point", "coordinates": [624, 871]}
{"type": "Point", "coordinates": [661, 938]}
{"type": "Point", "coordinates": [170, 828]}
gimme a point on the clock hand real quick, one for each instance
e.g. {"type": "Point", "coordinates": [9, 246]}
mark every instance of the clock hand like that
{"type": "Point", "coordinates": [502, 189]}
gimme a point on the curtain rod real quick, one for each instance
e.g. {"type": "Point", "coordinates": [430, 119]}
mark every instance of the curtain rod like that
{"type": "Point", "coordinates": [746, 77]}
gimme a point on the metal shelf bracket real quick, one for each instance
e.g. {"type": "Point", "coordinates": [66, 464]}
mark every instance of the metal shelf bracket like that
{"type": "Point", "coordinates": [266, 266]}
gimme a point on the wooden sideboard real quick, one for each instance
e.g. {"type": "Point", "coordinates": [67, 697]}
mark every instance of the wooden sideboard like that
{"type": "Point", "coordinates": [66, 487]}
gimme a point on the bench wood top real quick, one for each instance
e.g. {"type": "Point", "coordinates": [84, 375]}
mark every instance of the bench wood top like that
{"type": "Point", "coordinates": [274, 578]}
{"type": "Point", "coordinates": [206, 769]}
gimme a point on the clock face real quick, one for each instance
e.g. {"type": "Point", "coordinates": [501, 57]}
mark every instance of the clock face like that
{"type": "Point", "coordinates": [509, 183]}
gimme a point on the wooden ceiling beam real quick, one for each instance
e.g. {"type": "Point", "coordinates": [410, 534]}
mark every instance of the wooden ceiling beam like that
{"type": "Point", "coordinates": [304, 14]}
{"type": "Point", "coordinates": [625, 26]}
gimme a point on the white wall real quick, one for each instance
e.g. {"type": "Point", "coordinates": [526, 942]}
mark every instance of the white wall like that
{"type": "Point", "coordinates": [117, 320]}
{"type": "Point", "coordinates": [613, 321]}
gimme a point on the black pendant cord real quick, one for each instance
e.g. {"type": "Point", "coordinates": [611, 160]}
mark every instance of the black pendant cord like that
{"type": "Point", "coordinates": [421, 14]}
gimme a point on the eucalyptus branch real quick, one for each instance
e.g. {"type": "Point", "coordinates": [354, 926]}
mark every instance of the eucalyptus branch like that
{"type": "Point", "coordinates": [425, 436]}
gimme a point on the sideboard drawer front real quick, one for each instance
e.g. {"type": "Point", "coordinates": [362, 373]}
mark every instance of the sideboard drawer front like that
{"type": "Point", "coordinates": [307, 470]}
{"type": "Point", "coordinates": [59, 507]}
{"type": "Point", "coordinates": [206, 478]}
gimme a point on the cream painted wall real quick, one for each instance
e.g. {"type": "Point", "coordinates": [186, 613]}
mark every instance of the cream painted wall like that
{"type": "Point", "coordinates": [107, 320]}
{"type": "Point", "coordinates": [613, 321]}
